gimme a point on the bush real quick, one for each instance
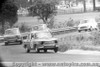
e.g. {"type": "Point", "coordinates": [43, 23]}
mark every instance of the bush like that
{"type": "Point", "coordinates": [75, 41]}
{"type": "Point", "coordinates": [24, 28]}
{"type": "Point", "coordinates": [96, 37]}
{"type": "Point", "coordinates": [85, 41]}
{"type": "Point", "coordinates": [63, 48]}
{"type": "Point", "coordinates": [70, 22]}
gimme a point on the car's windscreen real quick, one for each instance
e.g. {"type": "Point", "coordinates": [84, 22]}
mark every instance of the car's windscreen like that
{"type": "Point", "coordinates": [39, 27]}
{"type": "Point", "coordinates": [11, 32]}
{"type": "Point", "coordinates": [43, 35]}
{"type": "Point", "coordinates": [84, 21]}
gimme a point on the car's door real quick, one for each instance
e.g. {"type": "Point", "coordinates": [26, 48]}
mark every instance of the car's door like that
{"type": "Point", "coordinates": [28, 39]}
{"type": "Point", "coordinates": [32, 40]}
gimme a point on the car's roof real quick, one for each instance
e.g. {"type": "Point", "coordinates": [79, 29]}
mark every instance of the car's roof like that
{"type": "Point", "coordinates": [12, 28]}
{"type": "Point", "coordinates": [39, 27]}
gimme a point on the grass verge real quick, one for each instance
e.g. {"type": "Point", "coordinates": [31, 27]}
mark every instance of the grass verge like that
{"type": "Point", "coordinates": [83, 40]}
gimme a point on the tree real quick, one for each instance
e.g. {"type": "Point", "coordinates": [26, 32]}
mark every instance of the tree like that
{"type": "Point", "coordinates": [84, 3]}
{"type": "Point", "coordinates": [94, 5]}
{"type": "Point", "coordinates": [21, 3]}
{"type": "Point", "coordinates": [77, 1]}
{"type": "Point", "coordinates": [43, 9]}
{"type": "Point", "coordinates": [8, 13]}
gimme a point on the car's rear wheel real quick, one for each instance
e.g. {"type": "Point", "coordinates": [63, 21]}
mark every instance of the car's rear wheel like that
{"type": "Point", "coordinates": [56, 50]}
{"type": "Point", "coordinates": [27, 50]}
{"type": "Point", "coordinates": [20, 42]}
{"type": "Point", "coordinates": [90, 29]}
{"type": "Point", "coordinates": [96, 29]}
{"type": "Point", "coordinates": [85, 29]}
{"type": "Point", "coordinates": [45, 50]}
{"type": "Point", "coordinates": [6, 43]}
{"type": "Point", "coordinates": [79, 30]}
{"type": "Point", "coordinates": [38, 50]}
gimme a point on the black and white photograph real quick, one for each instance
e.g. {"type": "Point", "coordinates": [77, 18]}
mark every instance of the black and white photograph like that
{"type": "Point", "coordinates": [50, 33]}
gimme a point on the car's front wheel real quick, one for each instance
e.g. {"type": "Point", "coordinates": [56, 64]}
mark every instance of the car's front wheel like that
{"type": "Point", "coordinates": [56, 50]}
{"type": "Point", "coordinates": [27, 50]}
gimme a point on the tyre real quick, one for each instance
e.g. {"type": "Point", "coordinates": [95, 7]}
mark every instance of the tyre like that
{"type": "Point", "coordinates": [45, 50]}
{"type": "Point", "coordinates": [20, 42]}
{"type": "Point", "coordinates": [79, 30]}
{"type": "Point", "coordinates": [96, 29]}
{"type": "Point", "coordinates": [56, 50]}
{"type": "Point", "coordinates": [24, 46]}
{"type": "Point", "coordinates": [6, 43]}
{"type": "Point", "coordinates": [85, 29]}
{"type": "Point", "coordinates": [38, 51]}
{"type": "Point", "coordinates": [27, 50]}
{"type": "Point", "coordinates": [90, 29]}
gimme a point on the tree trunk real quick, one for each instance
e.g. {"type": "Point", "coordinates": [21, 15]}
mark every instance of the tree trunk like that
{"type": "Point", "coordinates": [84, 4]}
{"type": "Point", "coordinates": [30, 2]}
{"type": "Point", "coordinates": [94, 6]}
{"type": "Point", "coordinates": [3, 27]}
{"type": "Point", "coordinates": [44, 20]}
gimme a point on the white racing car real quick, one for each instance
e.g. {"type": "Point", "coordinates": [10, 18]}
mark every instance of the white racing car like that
{"type": "Point", "coordinates": [40, 40]}
{"type": "Point", "coordinates": [12, 35]}
{"type": "Point", "coordinates": [87, 24]}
